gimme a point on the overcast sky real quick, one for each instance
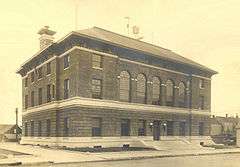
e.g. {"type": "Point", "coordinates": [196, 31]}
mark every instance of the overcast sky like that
{"type": "Point", "coordinates": [207, 31]}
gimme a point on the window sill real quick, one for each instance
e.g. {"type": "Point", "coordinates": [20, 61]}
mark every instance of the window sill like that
{"type": "Point", "coordinates": [97, 68]}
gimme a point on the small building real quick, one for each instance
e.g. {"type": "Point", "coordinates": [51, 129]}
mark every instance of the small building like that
{"type": "Point", "coordinates": [97, 86]}
{"type": "Point", "coordinates": [223, 125]}
{"type": "Point", "coordinates": [8, 132]}
{"type": "Point", "coordinates": [238, 135]}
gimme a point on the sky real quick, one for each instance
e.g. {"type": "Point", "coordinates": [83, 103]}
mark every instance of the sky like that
{"type": "Point", "coordinates": [206, 31]}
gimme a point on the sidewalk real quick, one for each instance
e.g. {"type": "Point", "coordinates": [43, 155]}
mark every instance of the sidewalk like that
{"type": "Point", "coordinates": [45, 155]}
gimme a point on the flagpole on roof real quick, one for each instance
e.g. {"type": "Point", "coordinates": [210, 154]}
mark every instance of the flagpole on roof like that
{"type": "Point", "coordinates": [128, 26]}
{"type": "Point", "coordinates": [76, 14]}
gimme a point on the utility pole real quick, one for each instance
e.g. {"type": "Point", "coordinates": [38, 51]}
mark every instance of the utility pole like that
{"type": "Point", "coordinates": [16, 123]}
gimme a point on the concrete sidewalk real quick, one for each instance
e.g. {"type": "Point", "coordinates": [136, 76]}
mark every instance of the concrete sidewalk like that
{"type": "Point", "coordinates": [47, 155]}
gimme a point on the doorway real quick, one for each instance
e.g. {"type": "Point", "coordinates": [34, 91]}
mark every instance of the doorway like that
{"type": "Point", "coordinates": [156, 130]}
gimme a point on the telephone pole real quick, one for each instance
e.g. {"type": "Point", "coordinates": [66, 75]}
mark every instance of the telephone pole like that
{"type": "Point", "coordinates": [16, 111]}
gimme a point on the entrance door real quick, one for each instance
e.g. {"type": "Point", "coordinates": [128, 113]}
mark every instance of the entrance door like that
{"type": "Point", "coordinates": [156, 130]}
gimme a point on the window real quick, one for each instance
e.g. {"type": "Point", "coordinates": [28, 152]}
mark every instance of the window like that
{"type": "Point", "coordinates": [170, 128]}
{"type": "Point", "coordinates": [96, 61]}
{"type": "Point", "coordinates": [182, 95]}
{"type": "Point", "coordinates": [141, 88]}
{"type": "Point", "coordinates": [156, 91]}
{"type": "Point", "coordinates": [32, 128]}
{"type": "Point", "coordinates": [32, 77]}
{"type": "Point", "coordinates": [66, 126]}
{"type": "Point", "coordinates": [201, 102]}
{"type": "Point", "coordinates": [66, 88]}
{"type": "Point", "coordinates": [26, 82]}
{"type": "Point", "coordinates": [201, 83]}
{"type": "Point", "coordinates": [201, 128]}
{"type": "Point", "coordinates": [48, 93]}
{"type": "Point", "coordinates": [125, 127]}
{"type": "Point", "coordinates": [141, 127]}
{"type": "Point", "coordinates": [66, 61]}
{"type": "Point", "coordinates": [40, 96]}
{"type": "Point", "coordinates": [182, 129]}
{"type": "Point", "coordinates": [40, 74]}
{"type": "Point", "coordinates": [25, 129]}
{"type": "Point", "coordinates": [39, 128]}
{"type": "Point", "coordinates": [32, 98]}
{"type": "Point", "coordinates": [48, 130]}
{"type": "Point", "coordinates": [53, 91]}
{"type": "Point", "coordinates": [169, 93]}
{"type": "Point", "coordinates": [26, 101]}
{"type": "Point", "coordinates": [96, 126]}
{"type": "Point", "coordinates": [96, 88]}
{"type": "Point", "coordinates": [49, 68]}
{"type": "Point", "coordinates": [124, 88]}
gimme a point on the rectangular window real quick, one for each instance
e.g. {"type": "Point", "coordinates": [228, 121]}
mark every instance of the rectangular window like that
{"type": "Point", "coordinates": [26, 82]}
{"type": "Point", "coordinates": [26, 101]}
{"type": "Point", "coordinates": [49, 68]}
{"type": "Point", "coordinates": [96, 126]}
{"type": "Point", "coordinates": [96, 88]}
{"type": "Point", "coordinates": [66, 126]}
{"type": "Point", "coordinates": [201, 83]}
{"type": "Point", "coordinates": [201, 128]}
{"type": "Point", "coordinates": [32, 77]}
{"type": "Point", "coordinates": [25, 129]}
{"type": "Point", "coordinates": [32, 128]}
{"type": "Point", "coordinates": [40, 96]}
{"type": "Point", "coordinates": [53, 91]}
{"type": "Point", "coordinates": [40, 73]}
{"type": "Point", "coordinates": [96, 61]}
{"type": "Point", "coordinates": [66, 61]}
{"type": "Point", "coordinates": [48, 130]}
{"type": "Point", "coordinates": [141, 127]}
{"type": "Point", "coordinates": [170, 128]}
{"type": "Point", "coordinates": [125, 127]}
{"type": "Point", "coordinates": [39, 128]}
{"type": "Point", "coordinates": [66, 88]}
{"type": "Point", "coordinates": [32, 98]}
{"type": "Point", "coordinates": [182, 129]}
{"type": "Point", "coordinates": [48, 93]}
{"type": "Point", "coordinates": [201, 102]}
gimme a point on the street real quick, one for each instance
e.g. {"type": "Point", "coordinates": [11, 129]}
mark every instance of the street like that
{"type": "Point", "coordinates": [223, 160]}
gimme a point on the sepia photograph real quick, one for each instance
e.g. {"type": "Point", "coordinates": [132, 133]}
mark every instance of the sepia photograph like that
{"type": "Point", "coordinates": [130, 83]}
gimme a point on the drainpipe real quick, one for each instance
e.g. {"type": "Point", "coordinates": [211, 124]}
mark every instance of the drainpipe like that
{"type": "Point", "coordinates": [190, 106]}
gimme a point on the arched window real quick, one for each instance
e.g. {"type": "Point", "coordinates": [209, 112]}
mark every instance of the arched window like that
{"type": "Point", "coordinates": [124, 87]}
{"type": "Point", "coordinates": [169, 93]}
{"type": "Point", "coordinates": [141, 88]}
{"type": "Point", "coordinates": [156, 91]}
{"type": "Point", "coordinates": [182, 95]}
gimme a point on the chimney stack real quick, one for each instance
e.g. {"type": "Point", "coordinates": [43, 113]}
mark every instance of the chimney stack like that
{"type": "Point", "coordinates": [46, 38]}
{"type": "Point", "coordinates": [226, 115]}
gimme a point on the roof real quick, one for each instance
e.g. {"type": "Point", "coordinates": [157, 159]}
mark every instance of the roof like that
{"type": "Point", "coordinates": [97, 33]}
{"type": "Point", "coordinates": [131, 43]}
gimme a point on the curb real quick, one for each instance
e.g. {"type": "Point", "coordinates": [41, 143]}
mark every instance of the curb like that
{"type": "Point", "coordinates": [118, 159]}
{"type": "Point", "coordinates": [11, 164]}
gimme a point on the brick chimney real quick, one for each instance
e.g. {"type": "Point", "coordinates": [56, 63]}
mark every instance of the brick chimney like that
{"type": "Point", "coordinates": [46, 38]}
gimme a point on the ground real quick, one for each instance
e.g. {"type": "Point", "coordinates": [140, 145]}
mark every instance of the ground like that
{"type": "Point", "coordinates": [230, 160]}
{"type": "Point", "coordinates": [28, 155]}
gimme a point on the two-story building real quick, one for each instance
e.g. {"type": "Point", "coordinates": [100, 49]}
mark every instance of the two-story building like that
{"type": "Point", "coordinates": [96, 86]}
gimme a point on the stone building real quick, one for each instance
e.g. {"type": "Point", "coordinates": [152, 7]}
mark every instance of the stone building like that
{"type": "Point", "coordinates": [96, 86]}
